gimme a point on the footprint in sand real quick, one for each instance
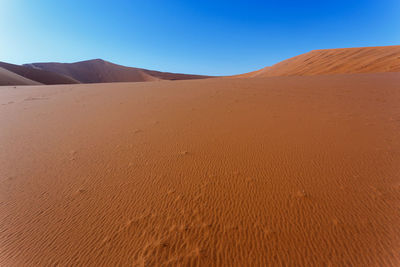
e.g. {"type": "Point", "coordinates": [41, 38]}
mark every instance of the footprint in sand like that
{"type": "Point", "coordinates": [170, 192]}
{"type": "Point", "coordinates": [268, 231]}
{"type": "Point", "coordinates": [128, 223]}
{"type": "Point", "coordinates": [301, 194]}
{"type": "Point", "coordinates": [31, 98]}
{"type": "Point", "coordinates": [72, 154]}
{"type": "Point", "coordinates": [376, 191]}
{"type": "Point", "coordinates": [250, 179]}
{"type": "Point", "coordinates": [80, 191]}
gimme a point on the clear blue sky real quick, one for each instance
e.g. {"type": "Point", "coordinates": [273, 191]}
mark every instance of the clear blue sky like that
{"type": "Point", "coordinates": [203, 37]}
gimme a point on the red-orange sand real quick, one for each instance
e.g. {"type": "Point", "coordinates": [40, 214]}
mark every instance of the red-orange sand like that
{"type": "Point", "coordinates": [290, 171]}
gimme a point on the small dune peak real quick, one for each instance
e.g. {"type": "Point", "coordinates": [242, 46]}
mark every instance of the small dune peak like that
{"type": "Point", "coordinates": [95, 61]}
{"type": "Point", "coordinates": [99, 60]}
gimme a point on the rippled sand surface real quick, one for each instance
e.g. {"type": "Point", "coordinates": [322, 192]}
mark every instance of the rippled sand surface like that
{"type": "Point", "coordinates": [293, 171]}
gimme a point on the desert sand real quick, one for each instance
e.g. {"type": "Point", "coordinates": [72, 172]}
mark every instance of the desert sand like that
{"type": "Point", "coordinates": [291, 171]}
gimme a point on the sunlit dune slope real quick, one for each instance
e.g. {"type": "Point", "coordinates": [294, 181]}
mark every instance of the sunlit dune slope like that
{"type": "Point", "coordinates": [334, 61]}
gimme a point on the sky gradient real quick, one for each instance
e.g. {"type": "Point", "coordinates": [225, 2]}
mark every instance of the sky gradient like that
{"type": "Point", "coordinates": [201, 37]}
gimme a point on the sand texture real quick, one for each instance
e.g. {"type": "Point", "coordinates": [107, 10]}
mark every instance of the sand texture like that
{"type": "Point", "coordinates": [334, 61]}
{"type": "Point", "coordinates": [282, 171]}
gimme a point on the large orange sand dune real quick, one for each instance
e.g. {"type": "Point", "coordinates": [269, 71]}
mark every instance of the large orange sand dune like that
{"type": "Point", "coordinates": [335, 61]}
{"type": "Point", "coordinates": [292, 171]}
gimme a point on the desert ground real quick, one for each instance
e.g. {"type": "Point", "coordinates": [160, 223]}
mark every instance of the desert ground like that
{"type": "Point", "coordinates": [290, 171]}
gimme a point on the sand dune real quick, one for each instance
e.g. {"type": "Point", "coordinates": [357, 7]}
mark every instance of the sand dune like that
{"type": "Point", "coordinates": [100, 71]}
{"type": "Point", "coordinates": [40, 76]}
{"type": "Point", "coordinates": [282, 171]}
{"type": "Point", "coordinates": [10, 78]}
{"type": "Point", "coordinates": [252, 74]}
{"type": "Point", "coordinates": [334, 61]}
{"type": "Point", "coordinates": [328, 61]}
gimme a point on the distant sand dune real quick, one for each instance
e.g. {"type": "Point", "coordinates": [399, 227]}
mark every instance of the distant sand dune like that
{"type": "Point", "coordinates": [40, 76]}
{"type": "Point", "coordinates": [10, 78]}
{"type": "Point", "coordinates": [100, 71]}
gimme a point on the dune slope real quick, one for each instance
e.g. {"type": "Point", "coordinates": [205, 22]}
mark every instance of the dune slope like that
{"type": "Point", "coordinates": [40, 76]}
{"type": "Point", "coordinates": [292, 171]}
{"type": "Point", "coordinates": [10, 78]}
{"type": "Point", "coordinates": [334, 61]}
{"type": "Point", "coordinates": [100, 71]}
